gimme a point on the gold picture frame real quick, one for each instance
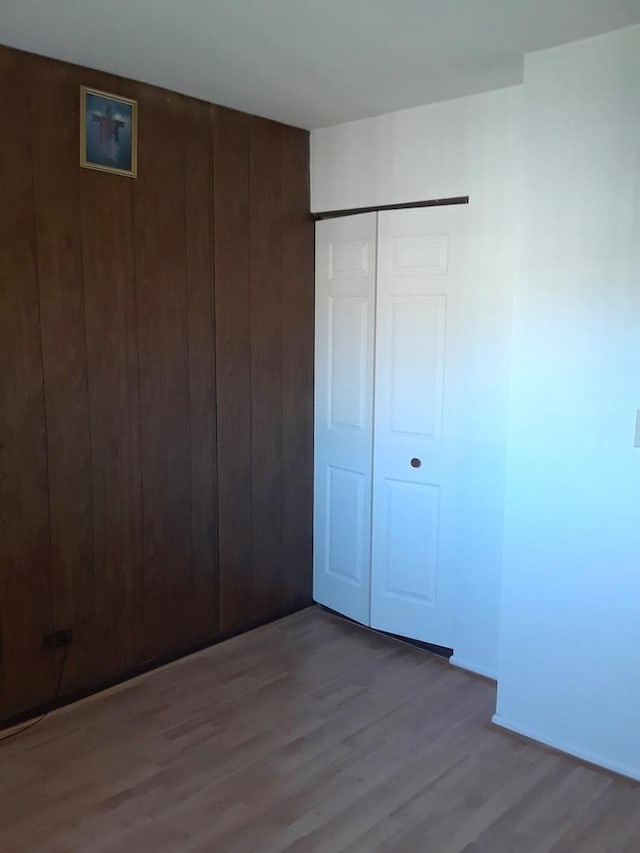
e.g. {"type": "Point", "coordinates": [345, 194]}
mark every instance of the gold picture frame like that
{"type": "Point", "coordinates": [108, 132]}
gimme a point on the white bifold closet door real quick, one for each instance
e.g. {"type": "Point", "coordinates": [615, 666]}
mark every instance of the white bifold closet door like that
{"type": "Point", "coordinates": [387, 438]}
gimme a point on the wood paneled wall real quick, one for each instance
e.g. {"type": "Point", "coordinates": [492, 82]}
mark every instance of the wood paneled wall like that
{"type": "Point", "coordinates": [264, 311]}
{"type": "Point", "coordinates": [156, 351]}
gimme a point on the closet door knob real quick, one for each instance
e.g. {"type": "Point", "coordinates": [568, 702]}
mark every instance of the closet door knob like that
{"type": "Point", "coordinates": [415, 462]}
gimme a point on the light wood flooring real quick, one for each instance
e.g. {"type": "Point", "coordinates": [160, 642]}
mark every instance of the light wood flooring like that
{"type": "Point", "coordinates": [310, 734]}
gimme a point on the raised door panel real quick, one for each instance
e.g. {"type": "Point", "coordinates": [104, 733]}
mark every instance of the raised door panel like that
{"type": "Point", "coordinates": [417, 353]}
{"type": "Point", "coordinates": [348, 339]}
{"type": "Point", "coordinates": [345, 513]}
{"type": "Point", "coordinates": [411, 558]}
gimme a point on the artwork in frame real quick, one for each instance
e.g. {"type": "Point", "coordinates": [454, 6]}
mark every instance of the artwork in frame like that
{"type": "Point", "coordinates": [108, 132]}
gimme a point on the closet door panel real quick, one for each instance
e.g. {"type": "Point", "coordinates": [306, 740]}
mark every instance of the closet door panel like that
{"type": "Point", "coordinates": [199, 233]}
{"type": "Point", "coordinates": [417, 422]}
{"type": "Point", "coordinates": [345, 297]}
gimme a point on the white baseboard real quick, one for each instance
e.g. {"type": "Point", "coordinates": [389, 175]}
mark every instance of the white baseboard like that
{"type": "Point", "coordinates": [592, 758]}
{"type": "Point", "coordinates": [454, 660]}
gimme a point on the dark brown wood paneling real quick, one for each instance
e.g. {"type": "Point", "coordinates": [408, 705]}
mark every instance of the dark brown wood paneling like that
{"type": "Point", "coordinates": [197, 120]}
{"type": "Point", "coordinates": [151, 330]}
{"type": "Point", "coordinates": [233, 364]}
{"type": "Point", "coordinates": [265, 239]}
{"type": "Point", "coordinates": [298, 324]}
{"type": "Point", "coordinates": [159, 204]}
{"type": "Point", "coordinates": [54, 93]}
{"type": "Point", "coordinates": [25, 568]}
{"type": "Point", "coordinates": [110, 306]}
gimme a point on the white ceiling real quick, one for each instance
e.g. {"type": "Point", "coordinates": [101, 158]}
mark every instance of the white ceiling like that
{"type": "Point", "coordinates": [309, 62]}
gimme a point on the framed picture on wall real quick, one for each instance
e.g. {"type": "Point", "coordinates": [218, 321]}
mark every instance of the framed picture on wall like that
{"type": "Point", "coordinates": [108, 132]}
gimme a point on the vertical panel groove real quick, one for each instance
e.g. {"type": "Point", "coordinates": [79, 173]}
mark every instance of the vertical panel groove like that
{"type": "Point", "coordinates": [38, 314]}
{"type": "Point", "coordinates": [91, 513]}
{"type": "Point", "coordinates": [214, 355]}
{"type": "Point", "coordinates": [42, 372]}
{"type": "Point", "coordinates": [189, 378]}
{"type": "Point", "coordinates": [250, 399]}
{"type": "Point", "coordinates": [201, 357]}
{"type": "Point", "coordinates": [89, 430]}
{"type": "Point", "coordinates": [139, 597]}
{"type": "Point", "coordinates": [282, 227]}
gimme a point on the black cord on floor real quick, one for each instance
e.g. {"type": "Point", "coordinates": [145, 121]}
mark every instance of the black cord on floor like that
{"type": "Point", "coordinates": [46, 713]}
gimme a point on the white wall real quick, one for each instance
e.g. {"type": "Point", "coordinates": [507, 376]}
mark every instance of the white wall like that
{"type": "Point", "coordinates": [468, 146]}
{"type": "Point", "coordinates": [570, 637]}
{"type": "Point", "coordinates": [569, 671]}
{"type": "Point", "coordinates": [441, 150]}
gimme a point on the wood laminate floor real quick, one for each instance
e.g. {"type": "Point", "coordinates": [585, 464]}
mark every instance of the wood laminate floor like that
{"type": "Point", "coordinates": [310, 734]}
